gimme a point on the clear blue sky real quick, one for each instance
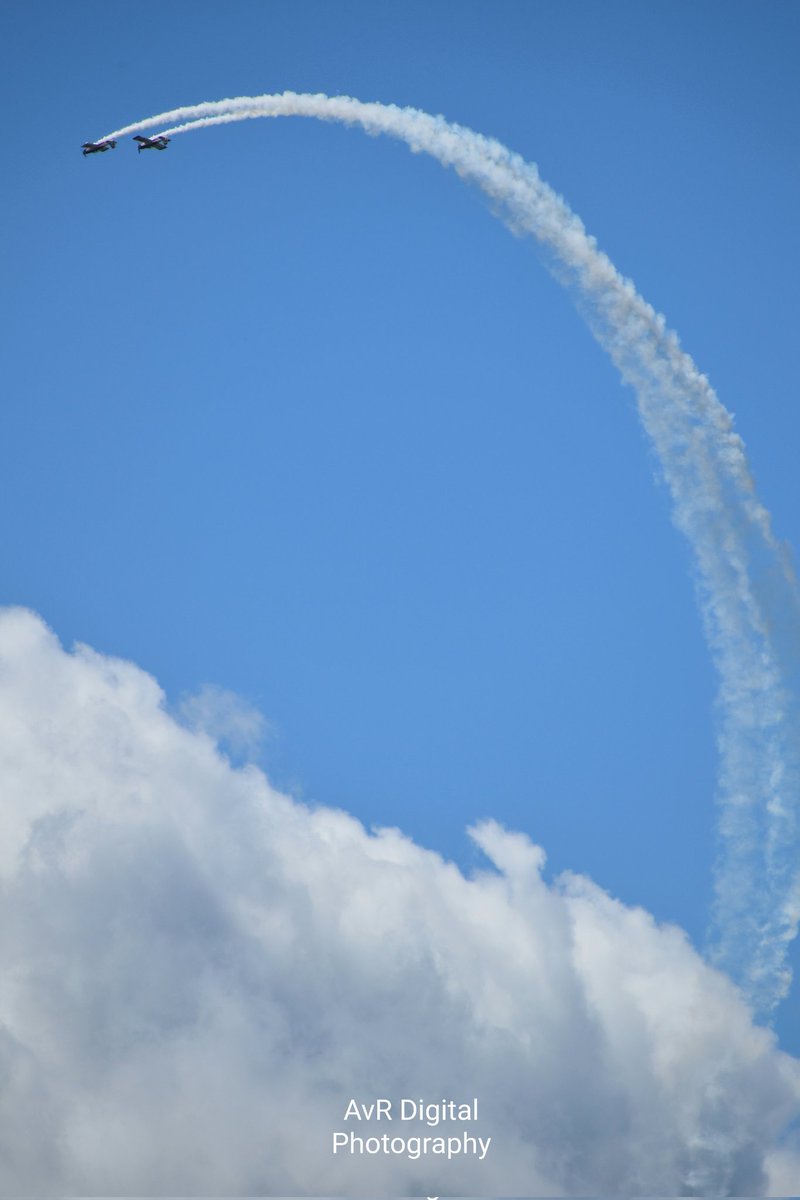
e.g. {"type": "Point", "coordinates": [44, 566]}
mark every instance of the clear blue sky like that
{"type": "Point", "coordinates": [286, 410]}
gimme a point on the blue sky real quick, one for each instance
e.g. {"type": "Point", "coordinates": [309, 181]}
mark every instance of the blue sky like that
{"type": "Point", "coordinates": [289, 412]}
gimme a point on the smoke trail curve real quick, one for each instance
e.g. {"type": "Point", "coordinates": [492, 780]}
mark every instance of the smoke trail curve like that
{"type": "Point", "coordinates": [748, 594]}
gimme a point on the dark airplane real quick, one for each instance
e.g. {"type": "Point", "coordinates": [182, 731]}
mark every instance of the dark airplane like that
{"type": "Point", "coordinates": [99, 147]}
{"type": "Point", "coordinates": [153, 143]}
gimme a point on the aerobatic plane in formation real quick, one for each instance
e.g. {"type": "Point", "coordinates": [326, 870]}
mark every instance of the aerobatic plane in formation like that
{"type": "Point", "coordinates": [99, 147]}
{"type": "Point", "coordinates": [153, 143]}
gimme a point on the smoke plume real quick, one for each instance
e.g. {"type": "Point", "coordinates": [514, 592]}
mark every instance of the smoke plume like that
{"type": "Point", "coordinates": [748, 594]}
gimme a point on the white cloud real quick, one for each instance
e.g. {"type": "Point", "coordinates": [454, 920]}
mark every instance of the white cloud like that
{"type": "Point", "coordinates": [225, 717]}
{"type": "Point", "coordinates": [197, 973]}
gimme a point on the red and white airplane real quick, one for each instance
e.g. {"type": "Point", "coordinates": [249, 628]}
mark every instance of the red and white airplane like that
{"type": "Point", "coordinates": [99, 147]}
{"type": "Point", "coordinates": [154, 143]}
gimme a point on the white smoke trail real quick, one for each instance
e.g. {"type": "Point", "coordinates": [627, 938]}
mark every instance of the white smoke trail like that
{"type": "Point", "coordinates": [748, 594]}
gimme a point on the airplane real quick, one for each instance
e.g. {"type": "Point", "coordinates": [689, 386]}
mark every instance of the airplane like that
{"type": "Point", "coordinates": [153, 143]}
{"type": "Point", "coordinates": [99, 147]}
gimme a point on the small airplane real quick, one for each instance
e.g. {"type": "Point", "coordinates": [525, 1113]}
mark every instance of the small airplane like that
{"type": "Point", "coordinates": [154, 143]}
{"type": "Point", "coordinates": [99, 147]}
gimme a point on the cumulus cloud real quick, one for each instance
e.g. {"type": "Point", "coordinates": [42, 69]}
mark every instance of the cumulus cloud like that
{"type": "Point", "coordinates": [197, 973]}
{"type": "Point", "coordinates": [232, 722]}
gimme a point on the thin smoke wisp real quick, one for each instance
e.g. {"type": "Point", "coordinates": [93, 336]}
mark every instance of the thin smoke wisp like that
{"type": "Point", "coordinates": [748, 594]}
